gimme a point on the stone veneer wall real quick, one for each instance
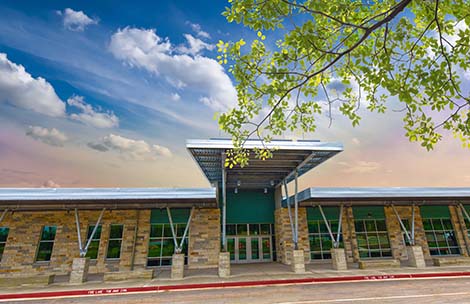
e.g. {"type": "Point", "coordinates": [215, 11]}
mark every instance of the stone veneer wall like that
{"type": "Point", "coordinates": [204, 238]}
{"type": "Point", "coordinates": [283, 232]}
{"type": "Point", "coordinates": [460, 229]}
{"type": "Point", "coordinates": [395, 233]}
{"type": "Point", "coordinates": [24, 235]}
{"type": "Point", "coordinates": [349, 235]}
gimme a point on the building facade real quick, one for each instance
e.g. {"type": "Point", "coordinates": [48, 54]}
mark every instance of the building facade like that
{"type": "Point", "coordinates": [248, 214]}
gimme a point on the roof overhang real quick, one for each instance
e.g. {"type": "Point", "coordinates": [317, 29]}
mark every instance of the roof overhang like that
{"type": "Point", "coordinates": [41, 199]}
{"type": "Point", "coordinates": [381, 196]}
{"type": "Point", "coordinates": [288, 156]}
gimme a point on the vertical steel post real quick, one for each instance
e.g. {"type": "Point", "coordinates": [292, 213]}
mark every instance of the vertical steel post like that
{"type": "Point", "coordinates": [289, 212]}
{"type": "Point", "coordinates": [413, 225]}
{"type": "Point", "coordinates": [224, 205]}
{"type": "Point", "coordinates": [338, 235]}
{"type": "Point", "coordinates": [3, 215]}
{"type": "Point", "coordinates": [296, 211]}
{"type": "Point", "coordinates": [77, 223]}
{"type": "Point", "coordinates": [173, 233]}
{"type": "Point", "coordinates": [186, 229]}
{"type": "Point", "coordinates": [93, 232]}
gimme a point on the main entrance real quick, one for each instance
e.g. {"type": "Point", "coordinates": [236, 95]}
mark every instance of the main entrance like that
{"type": "Point", "coordinates": [250, 243]}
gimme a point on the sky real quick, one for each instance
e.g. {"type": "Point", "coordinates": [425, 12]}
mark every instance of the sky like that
{"type": "Point", "coordinates": [100, 94]}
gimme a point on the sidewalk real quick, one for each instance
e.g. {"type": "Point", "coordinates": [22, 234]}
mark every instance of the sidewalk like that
{"type": "Point", "coordinates": [243, 275]}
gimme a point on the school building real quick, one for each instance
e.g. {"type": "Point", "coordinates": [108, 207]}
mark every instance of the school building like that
{"type": "Point", "coordinates": [249, 215]}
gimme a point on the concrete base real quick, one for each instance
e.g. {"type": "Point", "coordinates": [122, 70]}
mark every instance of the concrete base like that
{"type": "Point", "coordinates": [298, 261]}
{"type": "Point", "coordinates": [177, 266]}
{"type": "Point", "coordinates": [79, 273]}
{"type": "Point", "coordinates": [224, 264]}
{"type": "Point", "coordinates": [338, 258]}
{"type": "Point", "coordinates": [415, 256]}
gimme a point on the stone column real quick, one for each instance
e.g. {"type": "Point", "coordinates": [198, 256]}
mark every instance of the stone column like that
{"type": "Point", "coordinates": [283, 231]}
{"type": "Point", "coordinates": [338, 258]}
{"type": "Point", "coordinates": [79, 273]}
{"type": "Point", "coordinates": [298, 261]}
{"type": "Point", "coordinates": [224, 264]}
{"type": "Point", "coordinates": [177, 266]}
{"type": "Point", "coordinates": [415, 256]}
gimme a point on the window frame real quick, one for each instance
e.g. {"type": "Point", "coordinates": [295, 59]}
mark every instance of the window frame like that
{"type": "Point", "coordinates": [373, 233]}
{"type": "Point", "coordinates": [442, 231]}
{"type": "Point", "coordinates": [115, 239]}
{"type": "Point", "coordinates": [94, 239]}
{"type": "Point", "coordinates": [167, 237]}
{"type": "Point", "coordinates": [320, 235]}
{"type": "Point", "coordinates": [41, 241]}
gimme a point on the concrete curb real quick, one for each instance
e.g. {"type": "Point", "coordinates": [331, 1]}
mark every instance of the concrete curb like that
{"type": "Point", "coordinates": [162, 288]}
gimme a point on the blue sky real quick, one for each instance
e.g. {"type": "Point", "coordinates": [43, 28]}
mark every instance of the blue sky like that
{"type": "Point", "coordinates": [104, 93]}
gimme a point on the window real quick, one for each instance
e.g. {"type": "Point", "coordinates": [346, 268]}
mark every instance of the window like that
{"type": "Point", "coordinates": [162, 246]}
{"type": "Point", "coordinates": [372, 238]}
{"type": "Point", "coordinates": [46, 244]}
{"type": "Point", "coordinates": [440, 236]}
{"type": "Point", "coordinates": [3, 239]}
{"type": "Point", "coordinates": [115, 241]}
{"type": "Point", "coordinates": [320, 239]}
{"type": "Point", "coordinates": [92, 252]}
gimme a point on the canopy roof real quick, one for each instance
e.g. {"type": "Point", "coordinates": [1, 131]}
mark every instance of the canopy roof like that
{"type": "Point", "coordinates": [377, 196]}
{"type": "Point", "coordinates": [98, 198]}
{"type": "Point", "coordinates": [288, 156]}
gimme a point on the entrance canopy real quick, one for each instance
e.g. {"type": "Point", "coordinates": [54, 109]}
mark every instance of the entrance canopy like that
{"type": "Point", "coordinates": [381, 196]}
{"type": "Point", "coordinates": [288, 157]}
{"type": "Point", "coordinates": [35, 199]}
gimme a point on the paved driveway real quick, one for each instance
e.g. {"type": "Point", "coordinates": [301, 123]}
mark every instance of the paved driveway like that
{"type": "Point", "coordinates": [456, 290]}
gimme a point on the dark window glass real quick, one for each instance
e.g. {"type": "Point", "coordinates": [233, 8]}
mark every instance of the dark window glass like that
{"type": "Point", "coordinates": [373, 241]}
{"type": "Point", "coordinates": [162, 245]}
{"type": "Point", "coordinates": [46, 244]}
{"type": "Point", "coordinates": [254, 229]}
{"type": "Point", "coordinates": [242, 229]}
{"type": "Point", "coordinates": [231, 229]}
{"type": "Point", "coordinates": [156, 230]}
{"type": "Point", "coordinates": [265, 229]}
{"type": "Point", "coordinates": [115, 241]}
{"type": "Point", "coordinates": [320, 239]}
{"type": "Point", "coordinates": [3, 239]}
{"type": "Point", "coordinates": [440, 237]}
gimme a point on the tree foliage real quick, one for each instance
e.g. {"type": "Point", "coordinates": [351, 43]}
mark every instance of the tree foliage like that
{"type": "Point", "coordinates": [417, 51]}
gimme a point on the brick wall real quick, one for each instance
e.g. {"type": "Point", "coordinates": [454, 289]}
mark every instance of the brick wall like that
{"type": "Point", "coordinates": [24, 235]}
{"type": "Point", "coordinates": [204, 238]}
{"type": "Point", "coordinates": [283, 231]}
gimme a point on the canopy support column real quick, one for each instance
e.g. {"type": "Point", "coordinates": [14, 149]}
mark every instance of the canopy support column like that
{"type": "Point", "coordinates": [4, 213]}
{"type": "Point", "coordinates": [186, 230]}
{"type": "Point", "coordinates": [172, 227]}
{"type": "Point", "coordinates": [289, 211]}
{"type": "Point", "coordinates": [296, 211]}
{"type": "Point", "coordinates": [413, 224]}
{"type": "Point", "coordinates": [464, 212]}
{"type": "Point", "coordinates": [224, 205]}
{"type": "Point", "coordinates": [410, 239]}
{"type": "Point", "coordinates": [340, 220]}
{"type": "Point", "coordinates": [77, 223]}
{"type": "Point", "coordinates": [85, 250]}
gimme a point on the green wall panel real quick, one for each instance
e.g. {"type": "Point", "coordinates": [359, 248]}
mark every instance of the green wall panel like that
{"type": "Point", "coordinates": [331, 213]}
{"type": "Point", "coordinates": [160, 216]}
{"type": "Point", "coordinates": [435, 211]}
{"type": "Point", "coordinates": [369, 212]}
{"type": "Point", "coordinates": [250, 206]}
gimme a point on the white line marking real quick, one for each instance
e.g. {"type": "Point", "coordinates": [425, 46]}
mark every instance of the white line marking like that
{"type": "Point", "coordinates": [381, 298]}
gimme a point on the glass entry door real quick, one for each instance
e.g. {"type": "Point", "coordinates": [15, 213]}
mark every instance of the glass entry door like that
{"type": "Point", "coordinates": [249, 249]}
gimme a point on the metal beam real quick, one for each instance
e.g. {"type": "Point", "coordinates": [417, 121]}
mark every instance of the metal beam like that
{"type": "Point", "coordinates": [224, 204]}
{"type": "Point", "coordinates": [180, 248]}
{"type": "Point", "coordinates": [413, 223]}
{"type": "Point", "coordinates": [289, 212]}
{"type": "Point", "coordinates": [336, 244]}
{"type": "Point", "coordinates": [326, 223]}
{"type": "Point", "coordinates": [296, 210]}
{"type": "Point", "coordinates": [464, 212]}
{"type": "Point", "coordinates": [403, 226]}
{"type": "Point", "coordinates": [77, 223]}
{"type": "Point", "coordinates": [294, 172]}
{"type": "Point", "coordinates": [85, 250]}
{"type": "Point", "coordinates": [173, 233]}
{"type": "Point", "coordinates": [4, 213]}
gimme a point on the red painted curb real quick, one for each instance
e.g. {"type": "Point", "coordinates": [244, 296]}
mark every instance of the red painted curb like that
{"type": "Point", "coordinates": [157, 288]}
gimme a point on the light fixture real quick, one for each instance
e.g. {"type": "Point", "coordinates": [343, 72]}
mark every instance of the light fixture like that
{"type": "Point", "coordinates": [235, 191]}
{"type": "Point", "coordinates": [265, 190]}
{"type": "Point", "coordinates": [239, 183]}
{"type": "Point", "coordinates": [271, 183]}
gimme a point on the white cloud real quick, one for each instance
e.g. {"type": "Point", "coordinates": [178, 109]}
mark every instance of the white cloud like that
{"type": "Point", "coordinates": [175, 97]}
{"type": "Point", "coordinates": [198, 30]}
{"type": "Point", "coordinates": [20, 89]}
{"type": "Point", "coordinates": [196, 45]}
{"type": "Point", "coordinates": [90, 116]}
{"type": "Point", "coordinates": [50, 184]}
{"type": "Point", "coordinates": [51, 137]}
{"type": "Point", "coordinates": [146, 50]}
{"type": "Point", "coordinates": [360, 166]}
{"type": "Point", "coordinates": [356, 141]}
{"type": "Point", "coordinates": [76, 21]}
{"type": "Point", "coordinates": [130, 148]}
